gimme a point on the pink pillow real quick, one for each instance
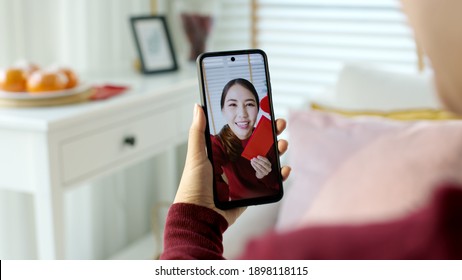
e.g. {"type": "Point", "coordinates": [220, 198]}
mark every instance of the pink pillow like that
{"type": "Point", "coordinates": [368, 168]}
{"type": "Point", "coordinates": [319, 143]}
{"type": "Point", "coordinates": [392, 176]}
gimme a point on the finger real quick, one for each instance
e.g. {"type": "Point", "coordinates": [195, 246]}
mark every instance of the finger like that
{"type": "Point", "coordinates": [283, 145]}
{"type": "Point", "coordinates": [258, 168]}
{"type": "Point", "coordinates": [280, 125]}
{"type": "Point", "coordinates": [254, 166]}
{"type": "Point", "coordinates": [264, 162]}
{"type": "Point", "coordinates": [262, 167]}
{"type": "Point", "coordinates": [285, 172]}
{"type": "Point", "coordinates": [196, 141]}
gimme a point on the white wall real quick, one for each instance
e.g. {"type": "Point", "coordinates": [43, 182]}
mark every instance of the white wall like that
{"type": "Point", "coordinates": [86, 35]}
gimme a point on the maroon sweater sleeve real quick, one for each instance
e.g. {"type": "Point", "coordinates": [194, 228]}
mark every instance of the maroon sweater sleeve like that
{"type": "Point", "coordinates": [193, 232]}
{"type": "Point", "coordinates": [432, 232]}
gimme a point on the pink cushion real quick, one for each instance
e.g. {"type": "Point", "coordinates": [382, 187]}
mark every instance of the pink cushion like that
{"type": "Point", "coordinates": [322, 144]}
{"type": "Point", "coordinates": [392, 176]}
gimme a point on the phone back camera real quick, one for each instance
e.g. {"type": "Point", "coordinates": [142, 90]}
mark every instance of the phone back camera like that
{"type": "Point", "coordinates": [233, 59]}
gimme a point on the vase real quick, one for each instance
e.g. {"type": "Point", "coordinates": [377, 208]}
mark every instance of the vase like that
{"type": "Point", "coordinates": [196, 19]}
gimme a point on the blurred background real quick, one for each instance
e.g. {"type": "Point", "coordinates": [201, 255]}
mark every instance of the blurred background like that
{"type": "Point", "coordinates": [307, 42]}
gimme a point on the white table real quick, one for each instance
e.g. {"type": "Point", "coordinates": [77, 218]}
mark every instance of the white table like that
{"type": "Point", "coordinates": [44, 151]}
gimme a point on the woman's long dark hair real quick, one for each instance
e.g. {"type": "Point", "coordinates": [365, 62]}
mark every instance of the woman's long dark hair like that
{"type": "Point", "coordinates": [229, 140]}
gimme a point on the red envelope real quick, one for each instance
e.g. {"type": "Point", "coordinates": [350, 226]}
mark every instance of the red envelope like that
{"type": "Point", "coordinates": [261, 140]}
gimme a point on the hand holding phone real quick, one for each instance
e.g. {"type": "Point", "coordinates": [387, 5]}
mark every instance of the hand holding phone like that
{"type": "Point", "coordinates": [240, 131]}
{"type": "Point", "coordinates": [196, 180]}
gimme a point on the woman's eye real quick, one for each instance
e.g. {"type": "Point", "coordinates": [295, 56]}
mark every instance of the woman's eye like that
{"type": "Point", "coordinates": [250, 105]}
{"type": "Point", "coordinates": [232, 105]}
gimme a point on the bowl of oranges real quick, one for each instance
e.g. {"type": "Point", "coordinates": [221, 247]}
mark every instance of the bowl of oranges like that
{"type": "Point", "coordinates": [29, 81]}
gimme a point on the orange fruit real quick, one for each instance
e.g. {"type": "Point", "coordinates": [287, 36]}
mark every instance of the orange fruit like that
{"type": "Point", "coordinates": [42, 81]}
{"type": "Point", "coordinates": [31, 68]}
{"type": "Point", "coordinates": [27, 67]}
{"type": "Point", "coordinates": [13, 79]}
{"type": "Point", "coordinates": [72, 79]}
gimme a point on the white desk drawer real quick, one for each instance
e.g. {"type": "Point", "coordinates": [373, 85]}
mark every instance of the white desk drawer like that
{"type": "Point", "coordinates": [96, 151]}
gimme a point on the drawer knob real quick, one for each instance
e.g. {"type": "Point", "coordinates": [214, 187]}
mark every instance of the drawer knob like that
{"type": "Point", "coordinates": [130, 141]}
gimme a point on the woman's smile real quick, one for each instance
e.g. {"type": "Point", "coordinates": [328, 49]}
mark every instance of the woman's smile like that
{"type": "Point", "coordinates": [243, 125]}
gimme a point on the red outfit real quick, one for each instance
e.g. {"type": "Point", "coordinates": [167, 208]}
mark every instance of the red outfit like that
{"type": "Point", "coordinates": [242, 182]}
{"type": "Point", "coordinates": [433, 232]}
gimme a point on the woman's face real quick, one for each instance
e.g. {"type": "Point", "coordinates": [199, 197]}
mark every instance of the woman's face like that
{"type": "Point", "coordinates": [240, 110]}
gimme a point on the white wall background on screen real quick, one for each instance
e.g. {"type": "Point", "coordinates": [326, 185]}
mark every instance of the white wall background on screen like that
{"type": "Point", "coordinates": [220, 71]}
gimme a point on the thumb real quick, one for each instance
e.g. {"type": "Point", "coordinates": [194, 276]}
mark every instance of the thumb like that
{"type": "Point", "coordinates": [196, 141]}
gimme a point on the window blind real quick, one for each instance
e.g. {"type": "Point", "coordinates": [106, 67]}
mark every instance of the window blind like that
{"type": "Point", "coordinates": [308, 41]}
{"type": "Point", "coordinates": [232, 25]}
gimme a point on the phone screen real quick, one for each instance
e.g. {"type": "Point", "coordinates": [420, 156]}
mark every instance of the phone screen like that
{"type": "Point", "coordinates": [241, 133]}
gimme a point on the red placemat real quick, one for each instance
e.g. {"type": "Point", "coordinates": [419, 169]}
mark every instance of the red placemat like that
{"type": "Point", "coordinates": [107, 91]}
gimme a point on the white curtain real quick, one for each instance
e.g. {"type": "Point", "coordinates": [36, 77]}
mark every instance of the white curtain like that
{"type": "Point", "coordinates": [89, 36]}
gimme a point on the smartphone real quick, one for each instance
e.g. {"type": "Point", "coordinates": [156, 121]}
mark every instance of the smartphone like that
{"type": "Point", "coordinates": [241, 130]}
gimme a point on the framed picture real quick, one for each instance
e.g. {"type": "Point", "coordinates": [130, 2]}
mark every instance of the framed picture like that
{"type": "Point", "coordinates": [154, 45]}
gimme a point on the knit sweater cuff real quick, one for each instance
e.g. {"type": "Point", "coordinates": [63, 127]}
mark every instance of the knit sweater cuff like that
{"type": "Point", "coordinates": [193, 232]}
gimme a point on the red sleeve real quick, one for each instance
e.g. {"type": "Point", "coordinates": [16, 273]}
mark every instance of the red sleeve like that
{"type": "Point", "coordinates": [193, 232]}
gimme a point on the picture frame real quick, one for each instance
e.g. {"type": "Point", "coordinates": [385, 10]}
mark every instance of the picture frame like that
{"type": "Point", "coordinates": [154, 44]}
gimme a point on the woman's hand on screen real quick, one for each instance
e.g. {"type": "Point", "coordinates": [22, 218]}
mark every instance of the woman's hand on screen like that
{"type": "Point", "coordinates": [262, 166]}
